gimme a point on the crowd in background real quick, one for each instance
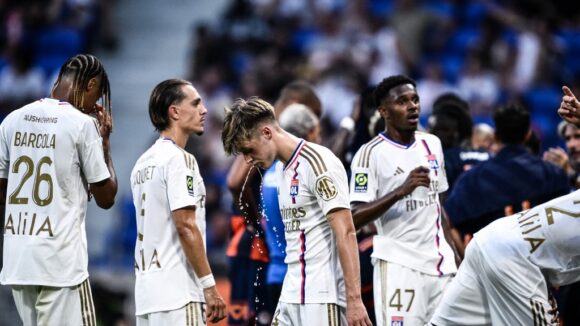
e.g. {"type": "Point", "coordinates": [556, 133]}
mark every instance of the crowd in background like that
{"type": "Point", "coordinates": [490, 53]}
{"type": "Point", "coordinates": [38, 36]}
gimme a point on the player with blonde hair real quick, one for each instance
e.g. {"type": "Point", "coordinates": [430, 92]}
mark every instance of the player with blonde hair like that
{"type": "Point", "coordinates": [313, 198]}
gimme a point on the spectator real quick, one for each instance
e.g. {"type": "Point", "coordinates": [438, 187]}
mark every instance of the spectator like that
{"type": "Point", "coordinates": [511, 181]}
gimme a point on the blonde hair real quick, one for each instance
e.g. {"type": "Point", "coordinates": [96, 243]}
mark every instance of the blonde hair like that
{"type": "Point", "coordinates": [241, 119]}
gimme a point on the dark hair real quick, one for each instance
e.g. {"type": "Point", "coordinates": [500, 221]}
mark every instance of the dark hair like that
{"type": "Point", "coordinates": [303, 93]}
{"type": "Point", "coordinates": [383, 88]}
{"type": "Point", "coordinates": [165, 94]}
{"type": "Point", "coordinates": [452, 106]}
{"type": "Point", "coordinates": [83, 67]}
{"type": "Point", "coordinates": [512, 124]}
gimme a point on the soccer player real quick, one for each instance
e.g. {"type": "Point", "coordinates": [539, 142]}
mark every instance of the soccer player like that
{"type": "Point", "coordinates": [299, 120]}
{"type": "Point", "coordinates": [53, 156]}
{"type": "Point", "coordinates": [313, 198]}
{"type": "Point", "coordinates": [174, 280]}
{"type": "Point", "coordinates": [510, 263]}
{"type": "Point", "coordinates": [396, 181]}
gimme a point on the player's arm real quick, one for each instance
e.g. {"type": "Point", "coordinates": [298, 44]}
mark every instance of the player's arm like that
{"type": "Point", "coordinates": [450, 233]}
{"type": "Point", "coordinates": [341, 224]}
{"type": "Point", "coordinates": [3, 189]}
{"type": "Point", "coordinates": [105, 191]}
{"type": "Point", "coordinates": [192, 243]}
{"type": "Point", "coordinates": [236, 178]}
{"type": "Point", "coordinates": [364, 213]}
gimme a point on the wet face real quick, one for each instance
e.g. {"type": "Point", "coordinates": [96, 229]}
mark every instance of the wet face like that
{"type": "Point", "coordinates": [258, 149]}
{"type": "Point", "coordinates": [192, 112]}
{"type": "Point", "coordinates": [401, 108]}
{"type": "Point", "coordinates": [572, 138]}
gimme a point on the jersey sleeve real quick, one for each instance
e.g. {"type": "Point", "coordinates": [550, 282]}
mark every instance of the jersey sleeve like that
{"type": "Point", "coordinates": [4, 149]}
{"type": "Point", "coordinates": [363, 181]}
{"type": "Point", "coordinates": [92, 157]}
{"type": "Point", "coordinates": [181, 184]}
{"type": "Point", "coordinates": [331, 186]}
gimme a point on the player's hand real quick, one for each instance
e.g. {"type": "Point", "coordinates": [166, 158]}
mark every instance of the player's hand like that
{"type": "Point", "coordinates": [105, 121]}
{"type": "Point", "coordinates": [356, 314]}
{"type": "Point", "coordinates": [569, 108]}
{"type": "Point", "coordinates": [559, 157]}
{"type": "Point", "coordinates": [417, 178]}
{"type": "Point", "coordinates": [554, 310]}
{"type": "Point", "coordinates": [216, 306]}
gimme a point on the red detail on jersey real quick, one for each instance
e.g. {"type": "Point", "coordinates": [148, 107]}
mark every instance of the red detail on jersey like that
{"type": "Point", "coordinates": [437, 227]}
{"type": "Point", "coordinates": [303, 262]}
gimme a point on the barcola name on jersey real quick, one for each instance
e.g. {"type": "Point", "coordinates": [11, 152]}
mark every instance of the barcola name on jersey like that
{"type": "Point", "coordinates": [24, 139]}
{"type": "Point", "coordinates": [290, 217]}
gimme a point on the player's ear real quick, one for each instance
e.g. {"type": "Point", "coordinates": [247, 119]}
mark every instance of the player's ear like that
{"type": "Point", "coordinates": [92, 83]}
{"type": "Point", "coordinates": [266, 131]}
{"type": "Point", "coordinates": [383, 112]}
{"type": "Point", "coordinates": [173, 112]}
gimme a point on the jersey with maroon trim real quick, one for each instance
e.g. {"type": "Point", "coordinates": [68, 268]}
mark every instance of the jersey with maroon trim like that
{"type": "Point", "coordinates": [310, 185]}
{"type": "Point", "coordinates": [49, 151]}
{"type": "Point", "coordinates": [410, 232]}
{"type": "Point", "coordinates": [164, 179]}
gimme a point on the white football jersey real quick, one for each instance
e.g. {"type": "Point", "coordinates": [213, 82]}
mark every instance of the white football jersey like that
{"type": "Point", "coordinates": [164, 179]}
{"type": "Point", "coordinates": [49, 150]}
{"type": "Point", "coordinates": [548, 235]}
{"type": "Point", "coordinates": [410, 232]}
{"type": "Point", "coordinates": [310, 185]}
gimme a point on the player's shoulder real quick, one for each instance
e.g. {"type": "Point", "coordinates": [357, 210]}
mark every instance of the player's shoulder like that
{"type": "Point", "coordinates": [170, 152]}
{"type": "Point", "coordinates": [320, 158]}
{"type": "Point", "coordinates": [422, 135]}
{"type": "Point", "coordinates": [364, 153]}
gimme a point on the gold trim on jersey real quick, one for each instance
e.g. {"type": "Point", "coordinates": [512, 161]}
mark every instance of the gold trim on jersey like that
{"type": "Point", "coordinates": [363, 160]}
{"type": "Point", "coordinates": [188, 158]}
{"type": "Point", "coordinates": [87, 306]}
{"type": "Point", "coordinates": [538, 313]}
{"type": "Point", "coordinates": [314, 159]}
{"type": "Point", "coordinates": [383, 271]}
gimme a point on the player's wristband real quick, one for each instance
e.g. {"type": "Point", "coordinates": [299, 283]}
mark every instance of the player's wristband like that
{"type": "Point", "coordinates": [347, 123]}
{"type": "Point", "coordinates": [207, 281]}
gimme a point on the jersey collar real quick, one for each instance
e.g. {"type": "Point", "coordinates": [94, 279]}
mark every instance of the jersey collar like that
{"type": "Point", "coordinates": [295, 154]}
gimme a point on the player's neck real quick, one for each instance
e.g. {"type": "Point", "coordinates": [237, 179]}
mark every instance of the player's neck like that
{"type": "Point", "coordinates": [63, 91]}
{"type": "Point", "coordinates": [405, 137]}
{"type": "Point", "coordinates": [286, 144]}
{"type": "Point", "coordinates": [179, 138]}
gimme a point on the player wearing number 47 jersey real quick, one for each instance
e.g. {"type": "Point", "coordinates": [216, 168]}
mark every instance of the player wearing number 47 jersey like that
{"type": "Point", "coordinates": [52, 154]}
{"type": "Point", "coordinates": [323, 273]}
{"type": "Point", "coordinates": [173, 278]}
{"type": "Point", "coordinates": [396, 181]}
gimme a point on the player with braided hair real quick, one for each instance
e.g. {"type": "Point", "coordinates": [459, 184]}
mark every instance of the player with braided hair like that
{"type": "Point", "coordinates": [52, 154]}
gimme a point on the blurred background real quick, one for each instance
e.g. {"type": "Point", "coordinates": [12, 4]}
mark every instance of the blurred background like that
{"type": "Point", "coordinates": [489, 52]}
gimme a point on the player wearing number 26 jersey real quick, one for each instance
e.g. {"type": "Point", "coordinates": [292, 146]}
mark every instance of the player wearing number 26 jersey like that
{"type": "Point", "coordinates": [52, 154]}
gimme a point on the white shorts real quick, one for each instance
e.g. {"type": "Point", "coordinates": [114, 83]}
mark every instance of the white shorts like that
{"type": "Point", "coordinates": [320, 314]}
{"type": "Point", "coordinates": [404, 296]}
{"type": "Point", "coordinates": [192, 314]}
{"type": "Point", "coordinates": [47, 306]}
{"type": "Point", "coordinates": [511, 291]}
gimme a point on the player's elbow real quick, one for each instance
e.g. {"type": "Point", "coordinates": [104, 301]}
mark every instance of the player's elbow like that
{"type": "Point", "coordinates": [185, 229]}
{"type": "Point", "coordinates": [106, 203]}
